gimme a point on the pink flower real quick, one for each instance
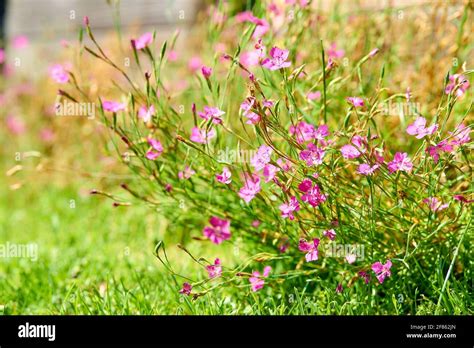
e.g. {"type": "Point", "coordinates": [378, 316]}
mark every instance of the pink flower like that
{"type": "Point", "coordinates": [312, 194]}
{"type": "Point", "coordinates": [442, 146]}
{"type": "Point", "coordinates": [365, 276]}
{"type": "Point", "coordinates": [113, 106]}
{"type": "Point", "coordinates": [349, 152]}
{"type": "Point", "coordinates": [366, 169]}
{"type": "Point", "coordinates": [206, 71]}
{"type": "Point", "coordinates": [47, 135]}
{"type": "Point", "coordinates": [212, 113]}
{"type": "Point", "coordinates": [219, 230]}
{"type": "Point", "coordinates": [186, 290]}
{"type": "Point", "coordinates": [146, 113]}
{"type": "Point", "coordinates": [357, 102]}
{"type": "Point", "coordinates": [459, 81]}
{"type": "Point", "coordinates": [382, 271]}
{"type": "Point", "coordinates": [462, 199]}
{"type": "Point", "coordinates": [277, 59]}
{"type": "Point", "coordinates": [303, 131]}
{"type": "Point", "coordinates": [143, 41]}
{"type": "Point", "coordinates": [262, 25]}
{"type": "Point", "coordinates": [255, 223]}
{"type": "Point", "coordinates": [20, 41]}
{"type": "Point", "coordinates": [225, 177]}
{"type": "Point", "coordinates": [400, 162]}
{"type": "Point", "coordinates": [434, 204]}
{"type": "Point", "coordinates": [287, 209]}
{"type": "Point", "coordinates": [246, 107]}
{"type": "Point", "coordinates": [268, 103]}
{"type": "Point", "coordinates": [322, 132]}
{"type": "Point", "coordinates": [173, 56]}
{"type": "Point", "coordinates": [269, 172]}
{"type": "Point", "coordinates": [262, 157]}
{"type": "Point", "coordinates": [331, 234]}
{"type": "Point", "coordinates": [202, 136]}
{"type": "Point", "coordinates": [215, 270]}
{"type": "Point", "coordinates": [373, 52]}
{"type": "Point", "coordinates": [311, 249]}
{"type": "Point", "coordinates": [251, 58]}
{"type": "Point", "coordinates": [333, 52]}
{"type": "Point", "coordinates": [186, 173]}
{"type": "Point", "coordinates": [351, 258]}
{"type": "Point", "coordinates": [313, 155]}
{"type": "Point", "coordinates": [257, 282]}
{"type": "Point", "coordinates": [58, 73]}
{"type": "Point", "coordinates": [313, 95]}
{"type": "Point", "coordinates": [461, 135]}
{"type": "Point", "coordinates": [156, 151]}
{"type": "Point", "coordinates": [418, 128]}
{"type": "Point", "coordinates": [250, 189]}
{"type": "Point", "coordinates": [194, 64]}
{"type": "Point", "coordinates": [285, 165]}
{"type": "Point", "coordinates": [15, 125]}
{"type": "Point", "coordinates": [2, 56]}
{"type": "Point", "coordinates": [339, 288]}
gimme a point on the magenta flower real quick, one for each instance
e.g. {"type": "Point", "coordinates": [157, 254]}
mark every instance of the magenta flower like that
{"type": "Point", "coordinates": [350, 152]}
{"type": "Point", "coordinates": [206, 71]}
{"type": "Point", "coordinates": [225, 177]}
{"type": "Point", "coordinates": [202, 136]}
{"type": "Point", "coordinates": [461, 135]}
{"type": "Point", "coordinates": [257, 282]}
{"type": "Point", "coordinates": [287, 209]}
{"type": "Point", "coordinates": [262, 157]}
{"type": "Point", "coordinates": [156, 151]}
{"type": "Point", "coordinates": [313, 155]}
{"type": "Point", "coordinates": [285, 165]}
{"type": "Point", "coordinates": [246, 107]}
{"type": "Point", "coordinates": [373, 52]}
{"type": "Point", "coordinates": [351, 258]}
{"type": "Point", "coordinates": [462, 199]}
{"type": "Point", "coordinates": [58, 73]}
{"type": "Point", "coordinates": [311, 249]}
{"type": "Point", "coordinates": [331, 234]}
{"type": "Point", "coordinates": [418, 128]}
{"type": "Point", "coordinates": [333, 52]}
{"type": "Point", "coordinates": [357, 102]}
{"type": "Point", "coordinates": [277, 59]}
{"type": "Point", "coordinates": [269, 172]}
{"type": "Point", "coordinates": [215, 270]}
{"type": "Point", "coordinates": [400, 162]}
{"type": "Point", "coordinates": [322, 132]}
{"type": "Point", "coordinates": [194, 64]}
{"type": "Point", "coordinates": [250, 189]}
{"type": "Point", "coordinates": [303, 131]}
{"type": "Point", "coordinates": [313, 195]}
{"type": "Point", "coordinates": [313, 95]}
{"type": "Point", "coordinates": [211, 113]}
{"type": "Point", "coordinates": [113, 106]}
{"type": "Point", "coordinates": [219, 230]}
{"type": "Point", "coordinates": [143, 41]}
{"type": "Point", "coordinates": [435, 204]}
{"type": "Point", "coordinates": [365, 276]}
{"type": "Point", "coordinates": [366, 169]}
{"type": "Point", "coordinates": [442, 146]}
{"type": "Point", "coordinates": [20, 42]}
{"type": "Point", "coordinates": [15, 125]}
{"type": "Point", "coordinates": [339, 288]}
{"type": "Point", "coordinates": [186, 173]}
{"type": "Point", "coordinates": [382, 271]}
{"type": "Point", "coordinates": [186, 290]}
{"type": "Point", "coordinates": [459, 81]}
{"type": "Point", "coordinates": [2, 56]}
{"type": "Point", "coordinates": [146, 113]}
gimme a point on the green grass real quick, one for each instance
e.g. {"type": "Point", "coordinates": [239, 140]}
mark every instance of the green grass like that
{"type": "Point", "coordinates": [96, 259]}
